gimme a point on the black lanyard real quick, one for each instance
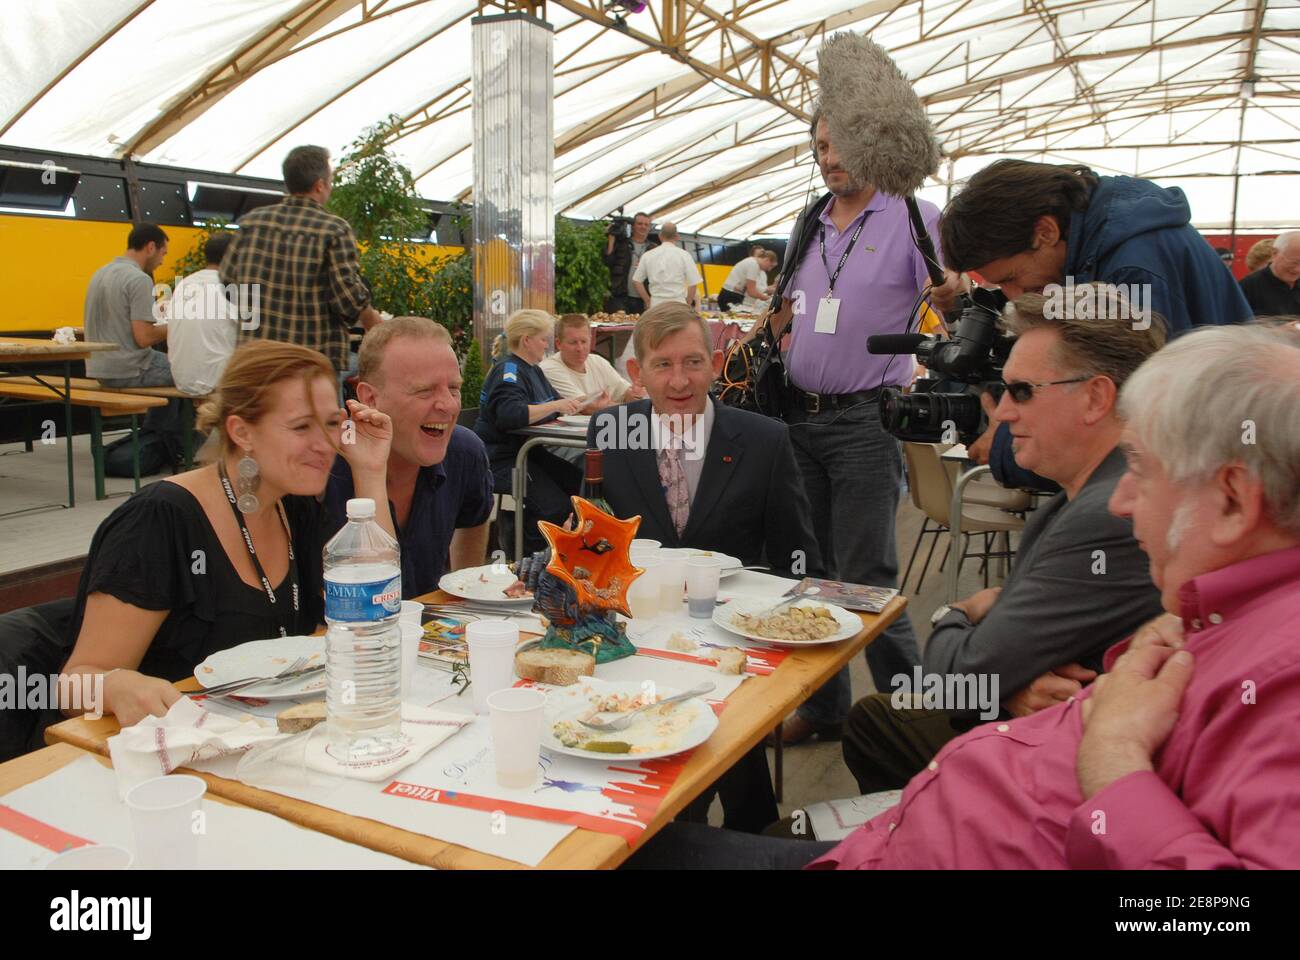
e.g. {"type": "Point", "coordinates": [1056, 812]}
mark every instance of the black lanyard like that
{"type": "Point", "coordinates": [257, 564]}
{"type": "Point", "coordinates": [832, 277]}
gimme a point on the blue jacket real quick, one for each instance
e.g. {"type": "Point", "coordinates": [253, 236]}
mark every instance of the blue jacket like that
{"type": "Point", "coordinates": [511, 386]}
{"type": "Point", "coordinates": [1136, 232]}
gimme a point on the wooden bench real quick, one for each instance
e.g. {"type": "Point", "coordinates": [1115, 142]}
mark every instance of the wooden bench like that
{"type": "Point", "coordinates": [188, 410]}
{"type": "Point", "coordinates": [101, 403]}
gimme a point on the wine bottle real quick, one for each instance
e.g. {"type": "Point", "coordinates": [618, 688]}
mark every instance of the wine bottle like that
{"type": "Point", "coordinates": [593, 479]}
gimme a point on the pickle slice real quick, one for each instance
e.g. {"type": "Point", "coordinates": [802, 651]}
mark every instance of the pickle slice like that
{"type": "Point", "coordinates": [607, 746]}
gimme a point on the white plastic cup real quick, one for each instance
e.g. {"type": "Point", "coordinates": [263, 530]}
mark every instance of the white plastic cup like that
{"type": "Point", "coordinates": [492, 646]}
{"type": "Point", "coordinates": [517, 716]}
{"type": "Point", "coordinates": [645, 544]}
{"type": "Point", "coordinates": [643, 592]}
{"type": "Point", "coordinates": [411, 636]}
{"type": "Point", "coordinates": [411, 612]}
{"type": "Point", "coordinates": [94, 857]}
{"type": "Point", "coordinates": [672, 581]}
{"type": "Point", "coordinates": [702, 577]}
{"type": "Point", "coordinates": [163, 819]}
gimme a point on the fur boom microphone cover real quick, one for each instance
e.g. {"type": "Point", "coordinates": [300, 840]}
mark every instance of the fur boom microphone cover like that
{"type": "Point", "coordinates": [875, 119]}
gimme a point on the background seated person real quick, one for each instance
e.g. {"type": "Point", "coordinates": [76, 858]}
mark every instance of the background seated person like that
{"type": "Point", "coordinates": [439, 482]}
{"type": "Point", "coordinates": [202, 325]}
{"type": "Point", "coordinates": [1180, 753]}
{"type": "Point", "coordinates": [1080, 581]}
{"type": "Point", "coordinates": [516, 394]}
{"type": "Point", "coordinates": [171, 578]}
{"type": "Point", "coordinates": [575, 372]}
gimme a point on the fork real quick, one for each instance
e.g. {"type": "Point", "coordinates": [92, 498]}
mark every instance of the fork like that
{"type": "Point", "coordinates": [292, 671]}
{"type": "Point", "coordinates": [620, 723]}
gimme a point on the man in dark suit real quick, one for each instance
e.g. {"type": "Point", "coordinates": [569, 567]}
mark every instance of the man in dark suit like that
{"type": "Point", "coordinates": [736, 469]}
{"type": "Point", "coordinates": [708, 476]}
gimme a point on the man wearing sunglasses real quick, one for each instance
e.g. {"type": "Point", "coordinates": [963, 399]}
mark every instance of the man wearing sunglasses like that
{"type": "Point", "coordinates": [1079, 583]}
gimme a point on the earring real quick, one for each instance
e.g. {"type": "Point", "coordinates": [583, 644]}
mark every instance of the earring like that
{"type": "Point", "coordinates": [246, 483]}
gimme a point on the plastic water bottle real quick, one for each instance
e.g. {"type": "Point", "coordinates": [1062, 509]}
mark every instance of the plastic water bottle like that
{"type": "Point", "coordinates": [363, 645]}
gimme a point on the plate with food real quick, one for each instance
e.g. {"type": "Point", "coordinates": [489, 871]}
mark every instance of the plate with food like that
{"type": "Point", "coordinates": [266, 658]}
{"type": "Point", "coordinates": [804, 623]}
{"type": "Point", "coordinates": [730, 564]}
{"type": "Point", "coordinates": [492, 584]}
{"type": "Point", "coordinates": [654, 733]}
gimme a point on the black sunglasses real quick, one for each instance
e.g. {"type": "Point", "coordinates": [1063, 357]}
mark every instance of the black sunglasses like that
{"type": "Point", "coordinates": [1022, 391]}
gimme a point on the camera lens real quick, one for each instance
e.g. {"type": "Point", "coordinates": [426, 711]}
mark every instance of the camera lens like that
{"type": "Point", "coordinates": [930, 417]}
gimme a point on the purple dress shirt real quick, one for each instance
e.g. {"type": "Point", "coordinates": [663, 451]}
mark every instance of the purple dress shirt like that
{"type": "Point", "coordinates": [1225, 791]}
{"type": "Point", "coordinates": [877, 290]}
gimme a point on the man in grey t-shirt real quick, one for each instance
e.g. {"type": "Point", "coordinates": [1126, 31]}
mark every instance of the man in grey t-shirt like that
{"type": "Point", "coordinates": [120, 310]}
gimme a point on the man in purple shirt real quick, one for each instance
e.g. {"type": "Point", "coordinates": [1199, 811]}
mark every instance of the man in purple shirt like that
{"type": "Point", "coordinates": [860, 275]}
{"type": "Point", "coordinates": [1182, 755]}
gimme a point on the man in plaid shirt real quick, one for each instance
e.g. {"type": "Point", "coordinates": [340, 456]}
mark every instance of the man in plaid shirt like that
{"type": "Point", "coordinates": [304, 260]}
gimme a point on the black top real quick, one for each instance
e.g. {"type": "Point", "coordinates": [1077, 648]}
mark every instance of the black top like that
{"type": "Point", "coordinates": [1269, 295]}
{"type": "Point", "coordinates": [511, 386]}
{"type": "Point", "coordinates": [455, 493]}
{"type": "Point", "coordinates": [158, 551]}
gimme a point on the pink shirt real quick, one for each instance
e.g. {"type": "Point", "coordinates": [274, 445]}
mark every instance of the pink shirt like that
{"type": "Point", "coordinates": [1226, 787]}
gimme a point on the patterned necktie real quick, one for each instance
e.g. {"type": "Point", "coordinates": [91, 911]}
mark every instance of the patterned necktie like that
{"type": "Point", "coordinates": [672, 476]}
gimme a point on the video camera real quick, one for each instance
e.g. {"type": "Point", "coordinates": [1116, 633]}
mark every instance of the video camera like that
{"type": "Point", "coordinates": [620, 226]}
{"type": "Point", "coordinates": [974, 356]}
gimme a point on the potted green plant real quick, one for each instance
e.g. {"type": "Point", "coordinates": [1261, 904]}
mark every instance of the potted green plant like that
{"type": "Point", "coordinates": [581, 277]}
{"type": "Point", "coordinates": [471, 384]}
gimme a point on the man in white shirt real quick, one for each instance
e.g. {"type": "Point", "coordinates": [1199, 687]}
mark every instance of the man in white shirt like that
{"type": "Point", "coordinates": [202, 324]}
{"type": "Point", "coordinates": [673, 275]}
{"type": "Point", "coordinates": [575, 372]}
{"type": "Point", "coordinates": [747, 283]}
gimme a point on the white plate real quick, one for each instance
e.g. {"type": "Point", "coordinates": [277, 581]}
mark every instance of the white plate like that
{"type": "Point", "coordinates": [850, 623]}
{"type": "Point", "coordinates": [575, 420]}
{"type": "Point", "coordinates": [484, 584]}
{"type": "Point", "coordinates": [565, 703]}
{"type": "Point", "coordinates": [730, 564]}
{"type": "Point", "coordinates": [264, 658]}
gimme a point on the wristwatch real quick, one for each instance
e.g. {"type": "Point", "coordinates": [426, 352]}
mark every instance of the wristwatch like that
{"type": "Point", "coordinates": [943, 611]}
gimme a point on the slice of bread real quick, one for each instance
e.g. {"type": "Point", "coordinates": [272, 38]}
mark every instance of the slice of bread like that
{"type": "Point", "coordinates": [302, 717]}
{"type": "Point", "coordinates": [557, 667]}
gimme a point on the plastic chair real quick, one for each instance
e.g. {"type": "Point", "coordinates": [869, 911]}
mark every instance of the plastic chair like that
{"type": "Point", "coordinates": [932, 488]}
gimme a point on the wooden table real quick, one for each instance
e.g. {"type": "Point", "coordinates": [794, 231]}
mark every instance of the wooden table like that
{"type": "Point", "coordinates": [757, 706]}
{"type": "Point", "coordinates": [15, 351]}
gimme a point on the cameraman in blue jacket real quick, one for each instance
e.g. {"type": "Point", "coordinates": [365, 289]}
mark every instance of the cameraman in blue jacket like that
{"type": "Point", "coordinates": [1023, 226]}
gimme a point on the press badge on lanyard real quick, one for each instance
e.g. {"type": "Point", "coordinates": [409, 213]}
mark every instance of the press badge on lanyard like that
{"type": "Point", "coordinates": [828, 307]}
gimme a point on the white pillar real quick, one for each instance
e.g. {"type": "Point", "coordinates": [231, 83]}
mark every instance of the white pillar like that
{"type": "Point", "coordinates": [514, 169]}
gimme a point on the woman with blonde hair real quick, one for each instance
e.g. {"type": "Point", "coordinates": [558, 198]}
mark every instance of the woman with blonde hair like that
{"type": "Point", "coordinates": [516, 394]}
{"type": "Point", "coordinates": [231, 551]}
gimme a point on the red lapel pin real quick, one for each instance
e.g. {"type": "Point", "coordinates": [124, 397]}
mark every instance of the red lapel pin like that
{"type": "Point", "coordinates": [726, 459]}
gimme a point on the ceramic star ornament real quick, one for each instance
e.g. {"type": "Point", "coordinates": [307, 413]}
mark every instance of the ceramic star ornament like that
{"type": "Point", "coordinates": [595, 557]}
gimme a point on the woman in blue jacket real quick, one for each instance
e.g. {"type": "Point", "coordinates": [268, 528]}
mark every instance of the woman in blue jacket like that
{"type": "Point", "coordinates": [516, 394]}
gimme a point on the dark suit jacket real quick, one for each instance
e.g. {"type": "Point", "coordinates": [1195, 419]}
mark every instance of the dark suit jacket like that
{"type": "Point", "coordinates": [750, 502]}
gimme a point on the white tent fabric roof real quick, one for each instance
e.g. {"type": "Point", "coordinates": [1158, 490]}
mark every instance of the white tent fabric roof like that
{"type": "Point", "coordinates": [1186, 92]}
